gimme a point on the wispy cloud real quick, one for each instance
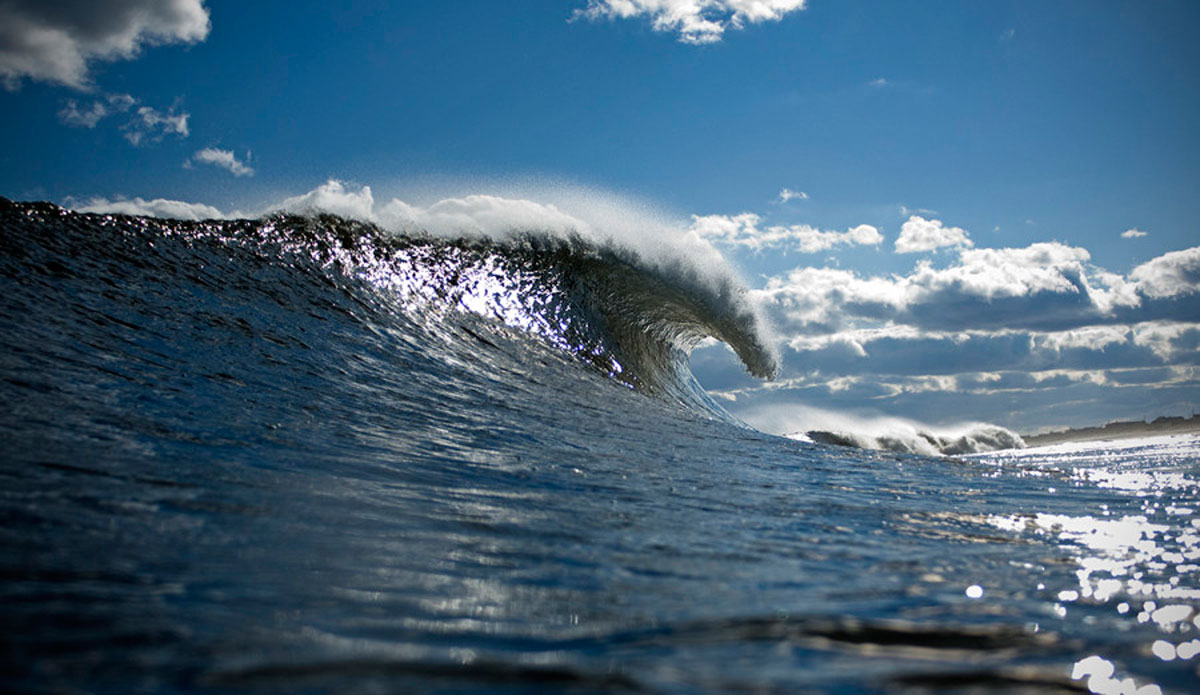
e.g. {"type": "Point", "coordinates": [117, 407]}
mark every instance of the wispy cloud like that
{"type": "Point", "coordinates": [905, 211]}
{"type": "Point", "coordinates": [57, 41]}
{"type": "Point", "coordinates": [1132, 233]}
{"type": "Point", "coordinates": [788, 194]}
{"type": "Point", "coordinates": [222, 159]}
{"type": "Point", "coordinates": [694, 21]}
{"type": "Point", "coordinates": [878, 82]}
{"type": "Point", "coordinates": [146, 125]}
{"type": "Point", "coordinates": [87, 117]}
{"type": "Point", "coordinates": [151, 125]}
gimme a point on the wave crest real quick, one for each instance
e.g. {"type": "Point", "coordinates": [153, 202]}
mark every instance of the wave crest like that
{"type": "Point", "coordinates": [632, 311]}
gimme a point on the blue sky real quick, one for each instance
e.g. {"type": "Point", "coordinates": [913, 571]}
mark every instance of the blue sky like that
{"type": "Point", "coordinates": [984, 129]}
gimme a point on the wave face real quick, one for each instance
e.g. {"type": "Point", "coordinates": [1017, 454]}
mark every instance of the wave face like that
{"type": "Point", "coordinates": [634, 320]}
{"type": "Point", "coordinates": [303, 454]}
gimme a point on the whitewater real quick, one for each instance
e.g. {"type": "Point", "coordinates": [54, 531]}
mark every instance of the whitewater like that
{"type": "Point", "coordinates": [306, 453]}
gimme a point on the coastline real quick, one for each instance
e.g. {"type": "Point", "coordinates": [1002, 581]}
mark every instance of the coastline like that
{"type": "Point", "coordinates": [1117, 430]}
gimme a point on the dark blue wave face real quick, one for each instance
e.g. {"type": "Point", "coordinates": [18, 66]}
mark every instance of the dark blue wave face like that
{"type": "Point", "coordinates": [232, 462]}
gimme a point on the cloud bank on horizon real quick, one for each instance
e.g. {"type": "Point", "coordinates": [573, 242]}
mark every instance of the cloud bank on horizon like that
{"type": "Point", "coordinates": [1031, 323]}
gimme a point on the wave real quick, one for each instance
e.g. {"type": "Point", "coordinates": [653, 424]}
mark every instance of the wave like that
{"type": "Point", "coordinates": [977, 438]}
{"type": "Point", "coordinates": [632, 314]}
{"type": "Point", "coordinates": [882, 433]}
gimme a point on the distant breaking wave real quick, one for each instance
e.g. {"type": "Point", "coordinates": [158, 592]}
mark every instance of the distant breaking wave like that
{"type": "Point", "coordinates": [977, 439]}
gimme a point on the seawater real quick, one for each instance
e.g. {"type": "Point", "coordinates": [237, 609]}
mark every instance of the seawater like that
{"type": "Point", "coordinates": [298, 455]}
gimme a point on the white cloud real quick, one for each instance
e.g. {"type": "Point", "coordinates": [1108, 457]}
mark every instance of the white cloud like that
{"type": "Point", "coordinates": [1026, 327]}
{"type": "Point", "coordinates": [730, 229]}
{"type": "Point", "coordinates": [919, 234]}
{"type": "Point", "coordinates": [1042, 286]}
{"type": "Point", "coordinates": [695, 21]}
{"type": "Point", "coordinates": [824, 299]}
{"type": "Point", "coordinates": [145, 126]}
{"type": "Point", "coordinates": [1168, 339]}
{"type": "Point", "coordinates": [101, 108]}
{"type": "Point", "coordinates": [224, 159]}
{"type": "Point", "coordinates": [878, 82]}
{"type": "Point", "coordinates": [55, 41]}
{"type": "Point", "coordinates": [1171, 274]}
{"type": "Point", "coordinates": [1132, 233]}
{"type": "Point", "coordinates": [788, 194]}
{"type": "Point", "coordinates": [743, 230]}
{"type": "Point", "coordinates": [1007, 272]}
{"type": "Point", "coordinates": [159, 207]}
{"type": "Point", "coordinates": [151, 125]}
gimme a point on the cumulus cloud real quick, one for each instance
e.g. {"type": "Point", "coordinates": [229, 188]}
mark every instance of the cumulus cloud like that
{"type": "Point", "coordinates": [1171, 274]}
{"type": "Point", "coordinates": [57, 41]}
{"type": "Point", "coordinates": [743, 230]}
{"type": "Point", "coordinates": [1036, 323]}
{"type": "Point", "coordinates": [905, 351]}
{"type": "Point", "coordinates": [1132, 233]}
{"type": "Point", "coordinates": [1042, 286]}
{"type": "Point", "coordinates": [919, 234]}
{"type": "Point", "coordinates": [151, 125]}
{"type": "Point", "coordinates": [695, 21]}
{"type": "Point", "coordinates": [1169, 340]}
{"type": "Point", "coordinates": [158, 207]}
{"type": "Point", "coordinates": [222, 159]}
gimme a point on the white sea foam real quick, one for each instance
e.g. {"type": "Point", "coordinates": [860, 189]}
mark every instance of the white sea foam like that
{"type": "Point", "coordinates": [882, 432]}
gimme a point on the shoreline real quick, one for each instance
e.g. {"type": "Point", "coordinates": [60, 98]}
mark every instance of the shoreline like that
{"type": "Point", "coordinates": [1116, 430]}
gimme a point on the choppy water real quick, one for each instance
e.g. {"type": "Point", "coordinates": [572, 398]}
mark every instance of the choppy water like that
{"type": "Point", "coordinates": [296, 455]}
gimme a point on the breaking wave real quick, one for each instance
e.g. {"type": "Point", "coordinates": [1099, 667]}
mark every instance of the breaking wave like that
{"type": "Point", "coordinates": [633, 314]}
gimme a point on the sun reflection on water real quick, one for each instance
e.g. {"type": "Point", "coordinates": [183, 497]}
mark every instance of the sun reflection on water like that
{"type": "Point", "coordinates": [1136, 553]}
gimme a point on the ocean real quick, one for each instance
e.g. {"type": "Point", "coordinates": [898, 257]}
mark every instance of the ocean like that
{"type": "Point", "coordinates": [303, 455]}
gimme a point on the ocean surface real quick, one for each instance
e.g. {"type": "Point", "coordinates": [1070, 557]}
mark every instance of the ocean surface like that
{"type": "Point", "coordinates": [303, 455]}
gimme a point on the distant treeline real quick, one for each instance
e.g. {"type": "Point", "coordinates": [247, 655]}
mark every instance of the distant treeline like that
{"type": "Point", "coordinates": [1118, 430]}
